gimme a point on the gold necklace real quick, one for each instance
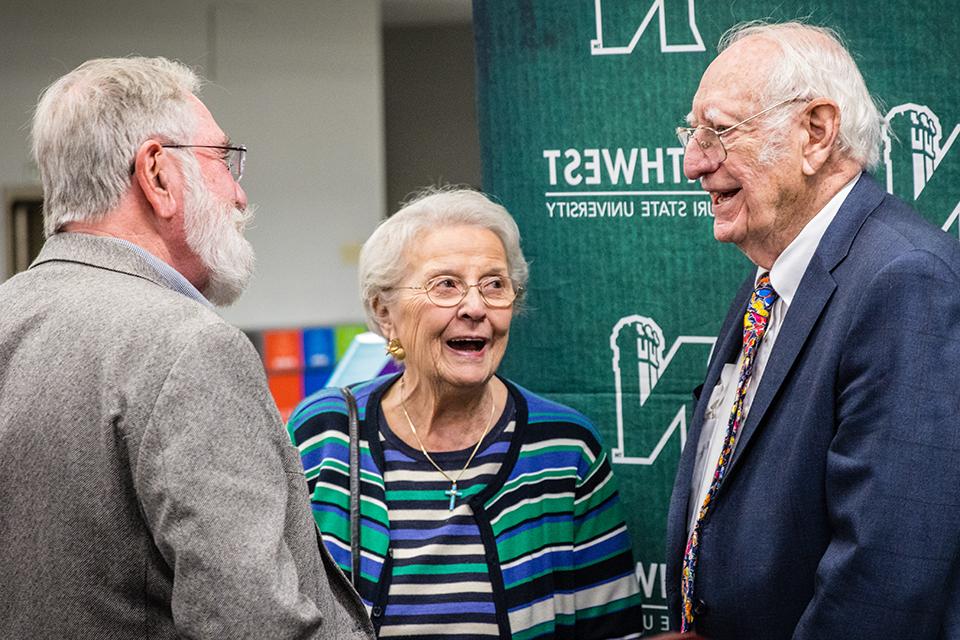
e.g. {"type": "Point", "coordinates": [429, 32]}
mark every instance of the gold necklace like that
{"type": "Point", "coordinates": [452, 492]}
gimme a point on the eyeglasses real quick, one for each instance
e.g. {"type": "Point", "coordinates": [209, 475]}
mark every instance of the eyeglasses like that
{"type": "Point", "coordinates": [497, 292]}
{"type": "Point", "coordinates": [710, 140]}
{"type": "Point", "coordinates": [234, 157]}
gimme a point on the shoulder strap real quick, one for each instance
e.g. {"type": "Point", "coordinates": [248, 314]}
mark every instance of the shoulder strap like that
{"type": "Point", "coordinates": [354, 422]}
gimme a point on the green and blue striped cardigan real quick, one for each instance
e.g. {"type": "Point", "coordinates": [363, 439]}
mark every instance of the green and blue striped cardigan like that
{"type": "Point", "coordinates": [551, 523]}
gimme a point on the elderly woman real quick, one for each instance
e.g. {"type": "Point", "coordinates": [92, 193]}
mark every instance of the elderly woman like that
{"type": "Point", "coordinates": [486, 510]}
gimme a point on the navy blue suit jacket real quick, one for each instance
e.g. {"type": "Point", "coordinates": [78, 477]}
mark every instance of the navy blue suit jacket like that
{"type": "Point", "coordinates": [839, 516]}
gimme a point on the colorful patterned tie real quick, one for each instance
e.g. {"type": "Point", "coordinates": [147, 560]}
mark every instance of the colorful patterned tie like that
{"type": "Point", "coordinates": [754, 325]}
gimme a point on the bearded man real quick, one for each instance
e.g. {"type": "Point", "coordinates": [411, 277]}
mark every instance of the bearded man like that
{"type": "Point", "coordinates": [147, 487]}
{"type": "Point", "coordinates": [817, 495]}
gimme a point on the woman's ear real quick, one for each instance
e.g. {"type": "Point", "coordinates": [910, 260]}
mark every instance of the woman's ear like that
{"type": "Point", "coordinates": [382, 314]}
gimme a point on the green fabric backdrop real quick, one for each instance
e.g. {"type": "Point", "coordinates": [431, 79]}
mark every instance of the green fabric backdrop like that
{"type": "Point", "coordinates": [578, 101]}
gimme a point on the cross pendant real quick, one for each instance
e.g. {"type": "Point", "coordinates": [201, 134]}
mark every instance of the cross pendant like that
{"type": "Point", "coordinates": [453, 493]}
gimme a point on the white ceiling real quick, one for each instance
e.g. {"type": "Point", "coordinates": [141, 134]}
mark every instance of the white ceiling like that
{"type": "Point", "coordinates": [425, 12]}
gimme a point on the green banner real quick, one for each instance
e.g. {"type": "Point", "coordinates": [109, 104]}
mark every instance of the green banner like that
{"type": "Point", "coordinates": [578, 103]}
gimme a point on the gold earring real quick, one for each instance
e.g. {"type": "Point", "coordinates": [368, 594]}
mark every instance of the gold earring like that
{"type": "Point", "coordinates": [395, 349]}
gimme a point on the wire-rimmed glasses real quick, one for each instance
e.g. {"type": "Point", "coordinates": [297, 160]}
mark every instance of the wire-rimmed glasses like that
{"type": "Point", "coordinates": [497, 292]}
{"type": "Point", "coordinates": [233, 156]}
{"type": "Point", "coordinates": [710, 141]}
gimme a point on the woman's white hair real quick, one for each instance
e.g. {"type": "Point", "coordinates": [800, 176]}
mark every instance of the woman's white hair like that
{"type": "Point", "coordinates": [816, 64]}
{"type": "Point", "coordinates": [383, 258]}
{"type": "Point", "coordinates": [88, 126]}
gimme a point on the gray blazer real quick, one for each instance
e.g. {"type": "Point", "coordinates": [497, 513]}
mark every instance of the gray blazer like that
{"type": "Point", "coordinates": [147, 487]}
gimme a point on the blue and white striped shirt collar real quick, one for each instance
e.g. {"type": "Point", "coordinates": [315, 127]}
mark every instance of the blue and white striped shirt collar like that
{"type": "Point", "coordinates": [170, 276]}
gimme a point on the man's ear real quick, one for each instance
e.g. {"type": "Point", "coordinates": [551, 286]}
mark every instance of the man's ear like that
{"type": "Point", "coordinates": [382, 315]}
{"type": "Point", "coordinates": [155, 172]}
{"type": "Point", "coordinates": [821, 125]}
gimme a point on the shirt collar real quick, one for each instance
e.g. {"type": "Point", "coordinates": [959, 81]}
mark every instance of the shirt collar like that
{"type": "Point", "coordinates": [170, 276]}
{"type": "Point", "coordinates": [788, 269]}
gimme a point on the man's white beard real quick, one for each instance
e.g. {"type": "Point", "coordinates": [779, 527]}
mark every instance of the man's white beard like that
{"type": "Point", "coordinates": [214, 231]}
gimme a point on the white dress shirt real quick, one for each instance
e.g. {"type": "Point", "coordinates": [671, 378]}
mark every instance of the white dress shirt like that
{"type": "Point", "coordinates": [785, 276]}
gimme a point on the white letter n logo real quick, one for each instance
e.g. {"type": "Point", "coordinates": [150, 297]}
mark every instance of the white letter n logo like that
{"type": "Point", "coordinates": [676, 15]}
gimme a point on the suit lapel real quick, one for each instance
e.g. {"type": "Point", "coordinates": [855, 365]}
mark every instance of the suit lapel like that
{"type": "Point", "coordinates": [815, 290]}
{"type": "Point", "coordinates": [813, 294]}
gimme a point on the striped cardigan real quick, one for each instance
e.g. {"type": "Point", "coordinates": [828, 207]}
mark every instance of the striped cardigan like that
{"type": "Point", "coordinates": [555, 539]}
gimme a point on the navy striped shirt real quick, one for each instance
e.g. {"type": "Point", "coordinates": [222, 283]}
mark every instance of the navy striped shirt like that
{"type": "Point", "coordinates": [441, 585]}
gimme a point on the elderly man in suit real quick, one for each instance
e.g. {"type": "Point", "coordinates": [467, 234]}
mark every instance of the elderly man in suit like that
{"type": "Point", "coordinates": [147, 487]}
{"type": "Point", "coordinates": [818, 495]}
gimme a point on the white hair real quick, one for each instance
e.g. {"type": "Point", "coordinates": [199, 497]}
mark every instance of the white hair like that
{"type": "Point", "coordinates": [214, 231]}
{"type": "Point", "coordinates": [383, 262]}
{"type": "Point", "coordinates": [88, 126]}
{"type": "Point", "coordinates": [816, 64]}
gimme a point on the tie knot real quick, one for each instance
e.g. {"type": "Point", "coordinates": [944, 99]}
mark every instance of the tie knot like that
{"type": "Point", "coordinates": [758, 313]}
{"type": "Point", "coordinates": [764, 294]}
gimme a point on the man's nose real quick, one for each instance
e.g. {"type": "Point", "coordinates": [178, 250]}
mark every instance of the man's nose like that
{"type": "Point", "coordinates": [240, 196]}
{"type": "Point", "coordinates": [696, 164]}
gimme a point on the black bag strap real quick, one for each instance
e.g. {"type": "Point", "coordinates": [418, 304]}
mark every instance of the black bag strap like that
{"type": "Point", "coordinates": [354, 425]}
